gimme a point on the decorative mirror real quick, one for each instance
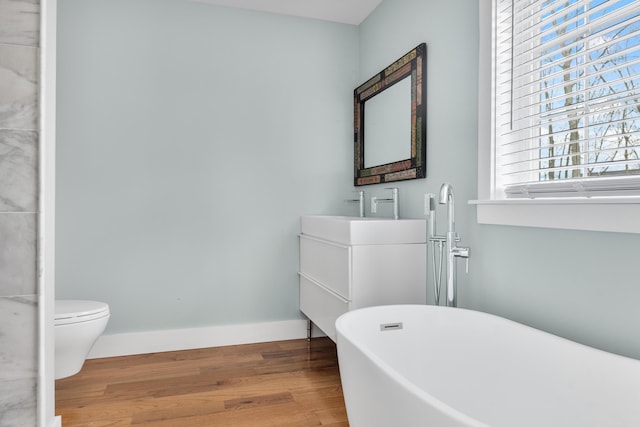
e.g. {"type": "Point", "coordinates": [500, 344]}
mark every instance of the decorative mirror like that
{"type": "Point", "coordinates": [390, 122]}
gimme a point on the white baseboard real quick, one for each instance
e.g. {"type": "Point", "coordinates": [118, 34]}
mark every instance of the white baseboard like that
{"type": "Point", "coordinates": [186, 339]}
{"type": "Point", "coordinates": [57, 421]}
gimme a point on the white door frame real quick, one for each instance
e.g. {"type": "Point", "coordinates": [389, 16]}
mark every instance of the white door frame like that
{"type": "Point", "coordinates": [46, 218]}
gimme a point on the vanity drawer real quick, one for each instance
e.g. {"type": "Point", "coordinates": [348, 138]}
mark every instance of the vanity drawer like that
{"type": "Point", "coordinates": [327, 263]}
{"type": "Point", "coordinates": [321, 305]}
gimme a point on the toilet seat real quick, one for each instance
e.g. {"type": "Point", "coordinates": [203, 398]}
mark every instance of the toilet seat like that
{"type": "Point", "coordinates": [78, 311]}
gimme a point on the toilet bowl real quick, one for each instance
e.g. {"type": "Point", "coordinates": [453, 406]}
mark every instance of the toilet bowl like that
{"type": "Point", "coordinates": [78, 324]}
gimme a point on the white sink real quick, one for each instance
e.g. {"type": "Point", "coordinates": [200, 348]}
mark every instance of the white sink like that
{"type": "Point", "coordinates": [351, 230]}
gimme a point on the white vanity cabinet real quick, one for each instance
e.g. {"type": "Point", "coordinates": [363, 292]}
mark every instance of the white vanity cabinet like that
{"type": "Point", "coordinates": [348, 263]}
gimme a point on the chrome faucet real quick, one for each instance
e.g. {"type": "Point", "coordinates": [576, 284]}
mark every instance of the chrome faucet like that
{"type": "Point", "coordinates": [360, 201]}
{"type": "Point", "coordinates": [452, 248]}
{"type": "Point", "coordinates": [393, 199]}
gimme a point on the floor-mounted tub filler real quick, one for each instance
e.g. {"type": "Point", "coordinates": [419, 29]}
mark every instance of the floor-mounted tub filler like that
{"type": "Point", "coordinates": [419, 365]}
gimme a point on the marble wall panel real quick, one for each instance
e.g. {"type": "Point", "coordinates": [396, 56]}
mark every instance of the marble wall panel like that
{"type": "Point", "coordinates": [17, 254]}
{"type": "Point", "coordinates": [19, 38]}
{"type": "Point", "coordinates": [18, 171]}
{"type": "Point", "coordinates": [18, 87]}
{"type": "Point", "coordinates": [18, 359]}
{"type": "Point", "coordinates": [19, 22]}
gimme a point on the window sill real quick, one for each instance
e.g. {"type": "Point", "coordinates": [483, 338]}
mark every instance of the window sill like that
{"type": "Point", "coordinates": [612, 214]}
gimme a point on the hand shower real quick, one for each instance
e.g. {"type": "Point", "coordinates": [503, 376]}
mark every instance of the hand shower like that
{"type": "Point", "coordinates": [434, 240]}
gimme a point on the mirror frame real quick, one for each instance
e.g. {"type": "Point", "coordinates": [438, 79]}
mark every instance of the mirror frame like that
{"type": "Point", "coordinates": [414, 65]}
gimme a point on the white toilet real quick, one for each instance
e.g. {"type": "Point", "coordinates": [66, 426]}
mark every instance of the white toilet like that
{"type": "Point", "coordinates": [78, 324]}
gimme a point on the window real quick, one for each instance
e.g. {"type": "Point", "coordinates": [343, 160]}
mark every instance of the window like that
{"type": "Point", "coordinates": [567, 97]}
{"type": "Point", "coordinates": [560, 145]}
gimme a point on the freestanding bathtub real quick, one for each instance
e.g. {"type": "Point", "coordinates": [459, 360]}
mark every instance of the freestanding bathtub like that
{"type": "Point", "coordinates": [418, 365]}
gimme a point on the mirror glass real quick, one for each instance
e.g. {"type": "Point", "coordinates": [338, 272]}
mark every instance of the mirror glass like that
{"type": "Point", "coordinates": [390, 122]}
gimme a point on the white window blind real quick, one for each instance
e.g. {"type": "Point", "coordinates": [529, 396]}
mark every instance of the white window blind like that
{"type": "Point", "coordinates": [567, 97]}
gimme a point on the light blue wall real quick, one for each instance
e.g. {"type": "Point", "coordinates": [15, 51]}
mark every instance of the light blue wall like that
{"type": "Point", "coordinates": [390, 31]}
{"type": "Point", "coordinates": [580, 285]}
{"type": "Point", "coordinates": [190, 139]}
{"type": "Point", "coordinates": [161, 102]}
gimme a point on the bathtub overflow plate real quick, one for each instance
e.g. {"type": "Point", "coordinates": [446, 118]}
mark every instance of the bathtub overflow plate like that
{"type": "Point", "coordinates": [390, 326]}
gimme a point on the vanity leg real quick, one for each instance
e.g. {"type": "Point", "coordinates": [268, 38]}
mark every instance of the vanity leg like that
{"type": "Point", "coordinates": [308, 329]}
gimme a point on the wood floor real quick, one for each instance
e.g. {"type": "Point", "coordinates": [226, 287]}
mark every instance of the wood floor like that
{"type": "Point", "coordinates": [285, 383]}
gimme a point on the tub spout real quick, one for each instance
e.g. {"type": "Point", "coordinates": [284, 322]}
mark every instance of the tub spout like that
{"type": "Point", "coordinates": [452, 248]}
